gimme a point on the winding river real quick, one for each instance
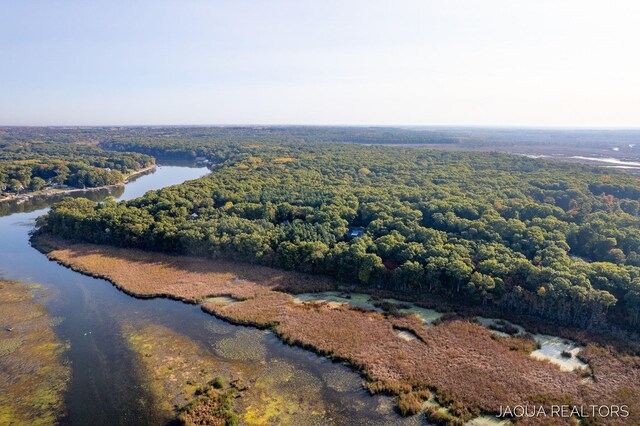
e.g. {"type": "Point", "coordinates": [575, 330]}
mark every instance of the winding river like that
{"type": "Point", "coordinates": [106, 387]}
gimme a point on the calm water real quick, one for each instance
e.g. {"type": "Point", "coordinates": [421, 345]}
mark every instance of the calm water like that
{"type": "Point", "coordinates": [105, 388]}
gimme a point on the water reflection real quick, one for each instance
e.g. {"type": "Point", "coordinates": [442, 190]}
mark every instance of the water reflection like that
{"type": "Point", "coordinates": [41, 202]}
{"type": "Point", "coordinates": [107, 386]}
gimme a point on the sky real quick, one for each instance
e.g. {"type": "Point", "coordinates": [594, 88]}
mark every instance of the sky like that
{"type": "Point", "coordinates": [567, 63]}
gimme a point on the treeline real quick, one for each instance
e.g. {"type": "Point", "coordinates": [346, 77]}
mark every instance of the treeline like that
{"type": "Point", "coordinates": [524, 235]}
{"type": "Point", "coordinates": [29, 166]}
{"type": "Point", "coordinates": [627, 141]}
{"type": "Point", "coordinates": [231, 134]}
{"type": "Point", "coordinates": [216, 143]}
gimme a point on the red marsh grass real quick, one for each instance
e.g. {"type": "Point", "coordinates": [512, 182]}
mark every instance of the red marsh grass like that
{"type": "Point", "coordinates": [146, 274]}
{"type": "Point", "coordinates": [470, 370]}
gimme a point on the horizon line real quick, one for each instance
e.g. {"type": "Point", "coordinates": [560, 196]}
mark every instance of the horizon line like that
{"type": "Point", "coordinates": [246, 125]}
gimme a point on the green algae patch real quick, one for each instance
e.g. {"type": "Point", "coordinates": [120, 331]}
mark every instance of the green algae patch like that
{"type": "Point", "coordinates": [219, 328]}
{"type": "Point", "coordinates": [173, 366]}
{"type": "Point", "coordinates": [33, 374]}
{"type": "Point", "coordinates": [180, 375]}
{"type": "Point", "coordinates": [269, 409]}
{"type": "Point", "coordinates": [245, 345]}
{"type": "Point", "coordinates": [370, 303]}
{"type": "Point", "coordinates": [285, 395]}
{"type": "Point", "coordinates": [340, 381]}
{"type": "Point", "coordinates": [10, 345]}
{"type": "Point", "coordinates": [334, 298]}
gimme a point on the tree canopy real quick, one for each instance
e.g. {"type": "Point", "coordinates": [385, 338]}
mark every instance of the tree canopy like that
{"type": "Point", "coordinates": [545, 238]}
{"type": "Point", "coordinates": [33, 165]}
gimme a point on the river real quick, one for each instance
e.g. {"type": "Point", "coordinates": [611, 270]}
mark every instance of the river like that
{"type": "Point", "coordinates": [106, 387]}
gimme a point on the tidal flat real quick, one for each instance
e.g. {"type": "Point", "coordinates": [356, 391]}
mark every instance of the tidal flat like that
{"type": "Point", "coordinates": [459, 364]}
{"type": "Point", "coordinates": [180, 376]}
{"type": "Point", "coordinates": [33, 372]}
{"type": "Point", "coordinates": [235, 378]}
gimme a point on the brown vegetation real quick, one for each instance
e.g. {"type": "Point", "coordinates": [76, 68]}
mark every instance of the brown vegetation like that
{"type": "Point", "coordinates": [438, 416]}
{"type": "Point", "coordinates": [471, 370]}
{"type": "Point", "coordinates": [192, 279]}
{"type": "Point", "coordinates": [211, 406]}
{"type": "Point", "coordinates": [410, 403]}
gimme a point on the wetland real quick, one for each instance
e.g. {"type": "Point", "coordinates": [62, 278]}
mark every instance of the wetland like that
{"type": "Point", "coordinates": [253, 296]}
{"type": "Point", "coordinates": [117, 359]}
{"type": "Point", "coordinates": [424, 360]}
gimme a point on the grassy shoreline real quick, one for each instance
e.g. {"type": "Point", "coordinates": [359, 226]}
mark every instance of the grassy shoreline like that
{"type": "Point", "coordinates": [462, 363]}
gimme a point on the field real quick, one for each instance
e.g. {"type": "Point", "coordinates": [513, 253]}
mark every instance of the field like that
{"type": "Point", "coordinates": [470, 370]}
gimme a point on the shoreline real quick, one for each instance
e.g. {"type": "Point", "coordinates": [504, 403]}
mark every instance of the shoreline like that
{"type": "Point", "coordinates": [52, 192]}
{"type": "Point", "coordinates": [263, 305]}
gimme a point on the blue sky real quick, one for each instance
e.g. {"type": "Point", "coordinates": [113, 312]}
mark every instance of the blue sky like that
{"type": "Point", "coordinates": [422, 62]}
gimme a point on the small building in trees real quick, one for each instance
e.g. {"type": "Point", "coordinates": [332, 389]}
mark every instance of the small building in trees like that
{"type": "Point", "coordinates": [355, 232]}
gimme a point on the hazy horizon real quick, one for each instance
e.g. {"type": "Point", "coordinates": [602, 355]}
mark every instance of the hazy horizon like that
{"type": "Point", "coordinates": [284, 125]}
{"type": "Point", "coordinates": [499, 64]}
{"type": "Point", "coordinates": [347, 125]}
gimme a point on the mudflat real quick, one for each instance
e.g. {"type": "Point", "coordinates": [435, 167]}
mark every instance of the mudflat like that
{"type": "Point", "coordinates": [33, 373]}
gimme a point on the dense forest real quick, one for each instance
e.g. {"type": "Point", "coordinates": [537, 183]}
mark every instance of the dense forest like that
{"type": "Point", "coordinates": [555, 240]}
{"type": "Point", "coordinates": [275, 134]}
{"type": "Point", "coordinates": [36, 165]}
{"type": "Point", "coordinates": [462, 137]}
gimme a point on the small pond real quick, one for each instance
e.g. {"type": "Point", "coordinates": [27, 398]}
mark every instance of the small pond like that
{"type": "Point", "coordinates": [365, 301]}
